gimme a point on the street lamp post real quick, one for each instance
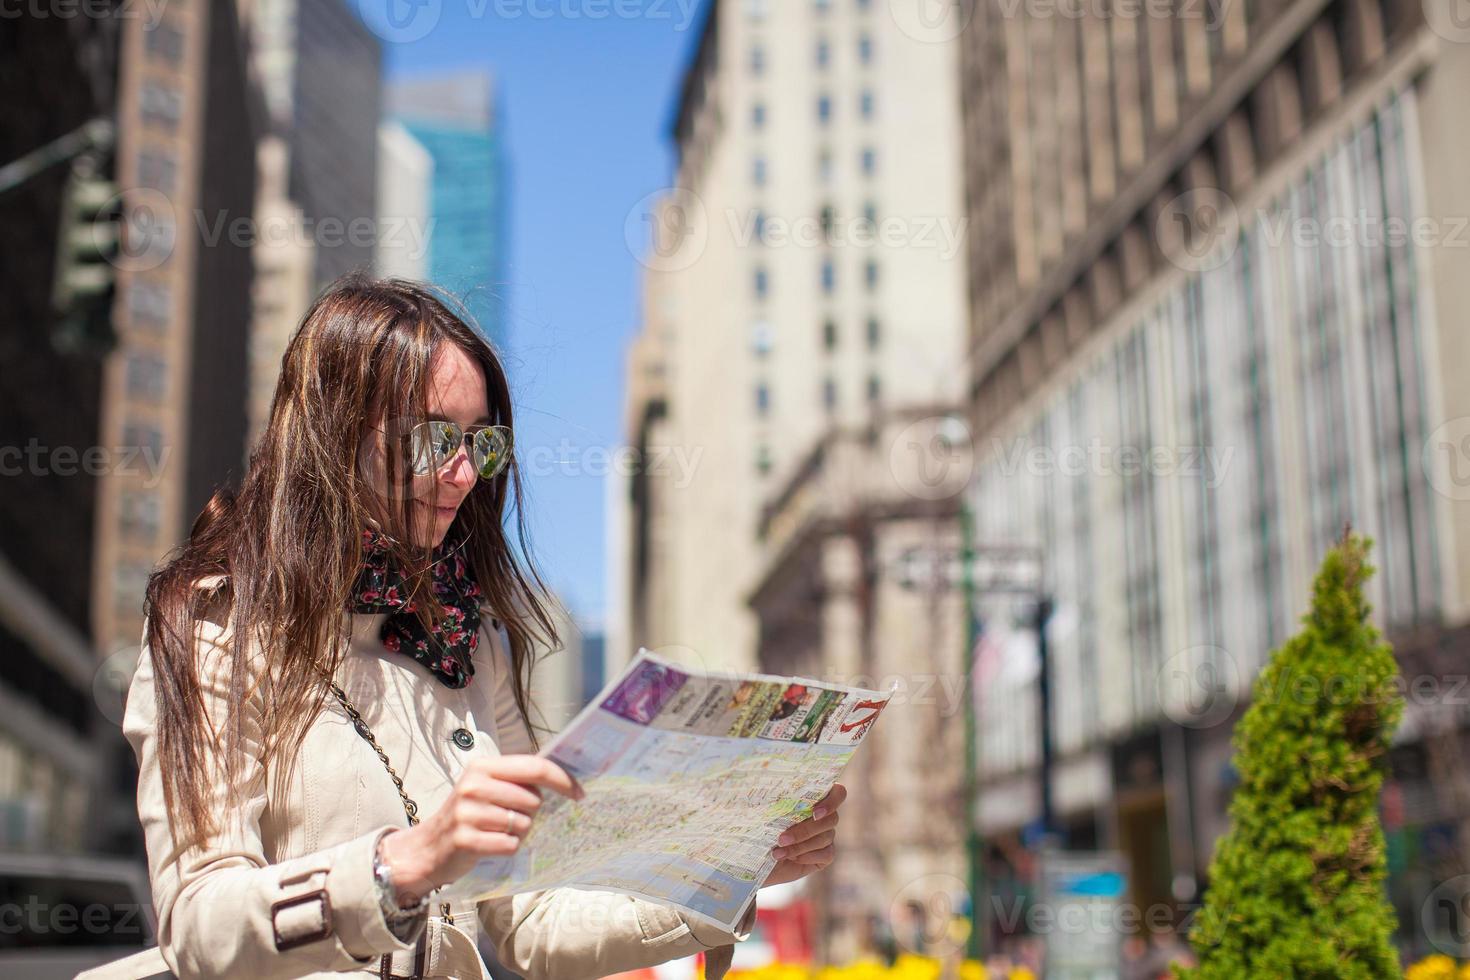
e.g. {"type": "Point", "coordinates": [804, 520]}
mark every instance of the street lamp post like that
{"type": "Point", "coordinates": [979, 571]}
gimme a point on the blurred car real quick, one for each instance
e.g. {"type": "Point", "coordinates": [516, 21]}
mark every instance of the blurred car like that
{"type": "Point", "coordinates": [60, 914]}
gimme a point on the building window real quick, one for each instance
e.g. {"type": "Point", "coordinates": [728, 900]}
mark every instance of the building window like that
{"type": "Point", "coordinates": [129, 583]}
{"type": "Point", "coordinates": [758, 116]}
{"type": "Point", "coordinates": [829, 335]}
{"type": "Point", "coordinates": [755, 9]}
{"type": "Point", "coordinates": [865, 5]}
{"type": "Point", "coordinates": [874, 389]}
{"type": "Point", "coordinates": [870, 215]}
{"type": "Point", "coordinates": [145, 437]}
{"type": "Point", "coordinates": [157, 171]}
{"type": "Point", "coordinates": [865, 49]}
{"type": "Point", "coordinates": [161, 105]}
{"type": "Point", "coordinates": [164, 43]}
{"type": "Point", "coordinates": [761, 338]}
{"type": "Point", "coordinates": [828, 219]}
{"type": "Point", "coordinates": [869, 161]}
{"type": "Point", "coordinates": [758, 172]}
{"type": "Point", "coordinates": [762, 283]}
{"type": "Point", "coordinates": [138, 514]}
{"type": "Point", "coordinates": [829, 394]}
{"type": "Point", "coordinates": [873, 332]}
{"type": "Point", "coordinates": [757, 60]}
{"type": "Point", "coordinates": [829, 277]}
{"type": "Point", "coordinates": [148, 303]}
{"type": "Point", "coordinates": [824, 53]}
{"type": "Point", "coordinates": [865, 104]}
{"type": "Point", "coordinates": [762, 399]}
{"type": "Point", "coordinates": [763, 459]}
{"type": "Point", "coordinates": [824, 109]}
{"type": "Point", "coordinates": [870, 275]}
{"type": "Point", "coordinates": [760, 227]}
{"type": "Point", "coordinates": [146, 376]}
{"type": "Point", "coordinates": [823, 6]}
{"type": "Point", "coordinates": [824, 166]}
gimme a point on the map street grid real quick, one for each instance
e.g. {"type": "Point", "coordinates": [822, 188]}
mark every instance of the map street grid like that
{"type": "Point", "coordinates": [690, 777]}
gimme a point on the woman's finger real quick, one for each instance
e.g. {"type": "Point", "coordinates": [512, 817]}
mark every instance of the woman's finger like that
{"type": "Point", "coordinates": [512, 796]}
{"type": "Point", "coordinates": [492, 818]}
{"type": "Point", "coordinates": [830, 802]}
{"type": "Point", "coordinates": [806, 829]}
{"type": "Point", "coordinates": [485, 842]}
{"type": "Point", "coordinates": [806, 846]}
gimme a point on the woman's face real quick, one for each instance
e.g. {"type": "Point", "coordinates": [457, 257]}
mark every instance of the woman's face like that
{"type": "Point", "coordinates": [456, 394]}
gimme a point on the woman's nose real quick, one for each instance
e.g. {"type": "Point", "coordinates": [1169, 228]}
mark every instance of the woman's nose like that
{"type": "Point", "coordinates": [460, 471]}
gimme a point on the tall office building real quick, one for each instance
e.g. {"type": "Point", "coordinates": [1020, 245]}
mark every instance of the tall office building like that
{"type": "Point", "coordinates": [58, 75]}
{"type": "Point", "coordinates": [320, 70]}
{"type": "Point", "coordinates": [405, 199]}
{"type": "Point", "coordinates": [803, 313]}
{"type": "Point", "coordinates": [1213, 322]}
{"type": "Point", "coordinates": [457, 118]}
{"type": "Point", "coordinates": [174, 395]}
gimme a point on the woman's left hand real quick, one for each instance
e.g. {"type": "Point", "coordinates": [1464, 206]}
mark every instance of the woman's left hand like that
{"type": "Point", "coordinates": [807, 846]}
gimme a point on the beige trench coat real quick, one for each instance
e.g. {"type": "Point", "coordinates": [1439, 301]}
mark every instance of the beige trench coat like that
{"type": "Point", "coordinates": [288, 890]}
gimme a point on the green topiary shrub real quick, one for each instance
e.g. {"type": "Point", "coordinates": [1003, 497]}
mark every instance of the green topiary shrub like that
{"type": "Point", "coordinates": [1296, 886]}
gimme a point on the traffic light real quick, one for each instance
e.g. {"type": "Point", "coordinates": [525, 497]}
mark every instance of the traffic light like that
{"type": "Point", "coordinates": [86, 253]}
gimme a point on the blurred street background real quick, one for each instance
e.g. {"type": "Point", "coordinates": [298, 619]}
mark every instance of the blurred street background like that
{"type": "Point", "coordinates": [1024, 354]}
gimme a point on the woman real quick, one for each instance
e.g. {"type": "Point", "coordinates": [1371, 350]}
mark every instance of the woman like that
{"type": "Point", "coordinates": [330, 710]}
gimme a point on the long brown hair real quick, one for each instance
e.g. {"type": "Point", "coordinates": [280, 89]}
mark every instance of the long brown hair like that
{"type": "Point", "coordinates": [289, 543]}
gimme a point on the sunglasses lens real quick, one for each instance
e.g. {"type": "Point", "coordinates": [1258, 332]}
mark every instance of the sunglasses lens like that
{"type": "Point", "coordinates": [492, 451]}
{"type": "Point", "coordinates": [431, 444]}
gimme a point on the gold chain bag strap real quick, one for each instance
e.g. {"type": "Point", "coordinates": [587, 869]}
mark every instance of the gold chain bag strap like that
{"type": "Point", "coordinates": [410, 808]}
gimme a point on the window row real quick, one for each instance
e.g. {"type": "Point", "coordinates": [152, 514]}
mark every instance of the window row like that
{"type": "Point", "coordinates": [760, 168]}
{"type": "Point", "coordinates": [827, 278]}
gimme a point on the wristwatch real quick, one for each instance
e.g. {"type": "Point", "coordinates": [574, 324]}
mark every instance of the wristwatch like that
{"type": "Point", "coordinates": [403, 922]}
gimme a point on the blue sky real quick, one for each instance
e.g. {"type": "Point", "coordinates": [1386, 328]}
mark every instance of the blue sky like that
{"type": "Point", "coordinates": [587, 87]}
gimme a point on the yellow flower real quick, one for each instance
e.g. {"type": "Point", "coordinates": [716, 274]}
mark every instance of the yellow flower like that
{"type": "Point", "coordinates": [1432, 968]}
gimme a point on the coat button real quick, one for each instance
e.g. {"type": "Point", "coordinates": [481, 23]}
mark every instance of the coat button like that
{"type": "Point", "coordinates": [463, 738]}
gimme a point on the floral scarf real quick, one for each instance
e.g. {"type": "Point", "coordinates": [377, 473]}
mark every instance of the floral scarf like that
{"type": "Point", "coordinates": [448, 650]}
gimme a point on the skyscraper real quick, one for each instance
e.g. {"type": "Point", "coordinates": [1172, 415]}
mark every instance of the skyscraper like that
{"type": "Point", "coordinates": [457, 119]}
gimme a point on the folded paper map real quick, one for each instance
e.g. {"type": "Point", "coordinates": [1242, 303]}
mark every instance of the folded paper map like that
{"type": "Point", "coordinates": [690, 777]}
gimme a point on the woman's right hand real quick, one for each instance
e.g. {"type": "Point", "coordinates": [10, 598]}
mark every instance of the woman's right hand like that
{"type": "Point", "coordinates": [486, 815]}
